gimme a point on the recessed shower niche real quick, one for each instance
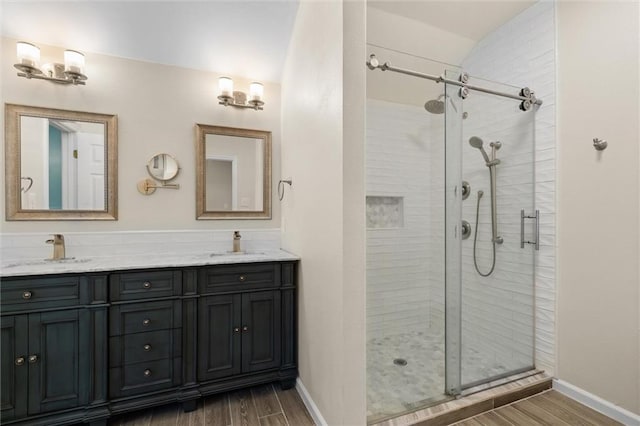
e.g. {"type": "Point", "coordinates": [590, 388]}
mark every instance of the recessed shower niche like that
{"type": "Point", "coordinates": [385, 212]}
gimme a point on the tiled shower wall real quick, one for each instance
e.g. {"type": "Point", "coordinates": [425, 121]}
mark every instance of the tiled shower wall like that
{"type": "Point", "coordinates": [522, 53]}
{"type": "Point", "coordinates": [399, 144]}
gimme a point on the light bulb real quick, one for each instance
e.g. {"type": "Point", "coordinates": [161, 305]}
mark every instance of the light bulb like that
{"type": "Point", "coordinates": [256, 91]}
{"type": "Point", "coordinates": [225, 84]}
{"type": "Point", "coordinates": [73, 62]}
{"type": "Point", "coordinates": [28, 54]}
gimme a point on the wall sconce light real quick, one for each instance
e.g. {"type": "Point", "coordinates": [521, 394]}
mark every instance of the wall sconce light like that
{"type": "Point", "coordinates": [71, 72]}
{"type": "Point", "coordinates": [229, 97]}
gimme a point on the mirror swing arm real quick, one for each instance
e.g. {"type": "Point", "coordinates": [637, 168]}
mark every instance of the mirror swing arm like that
{"type": "Point", "coordinates": [148, 186]}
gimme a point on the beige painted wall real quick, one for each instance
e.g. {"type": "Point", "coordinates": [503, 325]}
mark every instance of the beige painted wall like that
{"type": "Point", "coordinates": [157, 107]}
{"type": "Point", "coordinates": [598, 200]}
{"type": "Point", "coordinates": [323, 211]}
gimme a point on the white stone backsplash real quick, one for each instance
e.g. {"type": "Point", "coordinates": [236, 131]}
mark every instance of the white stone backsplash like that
{"type": "Point", "coordinates": [32, 246]}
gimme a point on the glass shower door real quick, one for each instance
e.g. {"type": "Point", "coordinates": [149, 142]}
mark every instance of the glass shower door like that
{"type": "Point", "coordinates": [489, 275]}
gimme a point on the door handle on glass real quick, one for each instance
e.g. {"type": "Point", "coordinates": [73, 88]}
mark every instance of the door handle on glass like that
{"type": "Point", "coordinates": [536, 243]}
{"type": "Point", "coordinates": [33, 359]}
{"type": "Point", "coordinates": [20, 360]}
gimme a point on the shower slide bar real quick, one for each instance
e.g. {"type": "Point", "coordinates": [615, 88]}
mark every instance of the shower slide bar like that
{"type": "Point", "coordinates": [526, 95]}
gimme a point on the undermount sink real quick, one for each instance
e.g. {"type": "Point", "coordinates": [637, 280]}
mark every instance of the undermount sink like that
{"type": "Point", "coordinates": [38, 262]}
{"type": "Point", "coordinates": [236, 253]}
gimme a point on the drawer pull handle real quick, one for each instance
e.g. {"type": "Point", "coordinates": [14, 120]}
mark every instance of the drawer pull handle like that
{"type": "Point", "coordinates": [27, 295]}
{"type": "Point", "coordinates": [20, 360]}
{"type": "Point", "coordinates": [242, 278]}
{"type": "Point", "coordinates": [147, 373]}
{"type": "Point", "coordinates": [245, 328]}
{"type": "Point", "coordinates": [147, 347]}
{"type": "Point", "coordinates": [236, 330]}
{"type": "Point", "coordinates": [146, 321]}
{"type": "Point", "coordinates": [146, 284]}
{"type": "Point", "coordinates": [33, 359]}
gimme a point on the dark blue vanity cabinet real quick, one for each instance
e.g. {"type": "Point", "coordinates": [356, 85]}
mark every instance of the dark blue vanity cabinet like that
{"type": "Point", "coordinates": [82, 347]}
{"type": "Point", "coordinates": [53, 360]}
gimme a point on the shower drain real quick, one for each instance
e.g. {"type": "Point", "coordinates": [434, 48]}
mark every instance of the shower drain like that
{"type": "Point", "coordinates": [400, 361]}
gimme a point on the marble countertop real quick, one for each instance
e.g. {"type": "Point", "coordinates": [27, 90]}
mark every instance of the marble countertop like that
{"type": "Point", "coordinates": [14, 268]}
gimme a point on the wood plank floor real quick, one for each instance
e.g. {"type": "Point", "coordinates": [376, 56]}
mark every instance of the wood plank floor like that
{"type": "Point", "coordinates": [546, 408]}
{"type": "Point", "coordinates": [264, 405]}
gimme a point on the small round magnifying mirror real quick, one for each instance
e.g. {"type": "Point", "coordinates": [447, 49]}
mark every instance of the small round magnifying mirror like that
{"type": "Point", "coordinates": [163, 167]}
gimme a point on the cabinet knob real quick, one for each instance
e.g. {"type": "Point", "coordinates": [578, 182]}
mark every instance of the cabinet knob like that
{"type": "Point", "coordinates": [27, 295]}
{"type": "Point", "coordinates": [33, 359]}
{"type": "Point", "coordinates": [147, 373]}
{"type": "Point", "coordinates": [146, 284]}
{"type": "Point", "coordinates": [242, 278]}
{"type": "Point", "coordinates": [146, 321]}
{"type": "Point", "coordinates": [20, 360]}
{"type": "Point", "coordinates": [245, 328]}
{"type": "Point", "coordinates": [147, 347]}
{"type": "Point", "coordinates": [236, 329]}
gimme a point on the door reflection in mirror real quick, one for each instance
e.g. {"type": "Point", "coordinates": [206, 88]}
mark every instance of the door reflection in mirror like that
{"type": "Point", "coordinates": [234, 173]}
{"type": "Point", "coordinates": [66, 161]}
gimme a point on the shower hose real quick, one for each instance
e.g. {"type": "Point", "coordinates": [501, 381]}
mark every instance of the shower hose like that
{"type": "Point", "coordinates": [475, 239]}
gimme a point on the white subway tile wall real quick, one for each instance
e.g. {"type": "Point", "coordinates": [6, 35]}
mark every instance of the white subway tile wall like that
{"type": "Point", "coordinates": [31, 246]}
{"type": "Point", "coordinates": [399, 144]}
{"type": "Point", "coordinates": [522, 53]}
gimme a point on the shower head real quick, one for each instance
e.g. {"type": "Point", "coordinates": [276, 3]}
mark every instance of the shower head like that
{"type": "Point", "coordinates": [435, 106]}
{"type": "Point", "coordinates": [476, 142]}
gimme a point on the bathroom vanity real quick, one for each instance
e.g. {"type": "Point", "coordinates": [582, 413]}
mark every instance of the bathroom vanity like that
{"type": "Point", "coordinates": [82, 346]}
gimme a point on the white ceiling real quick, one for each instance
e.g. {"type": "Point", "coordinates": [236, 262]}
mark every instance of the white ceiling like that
{"type": "Point", "coordinates": [240, 38]}
{"type": "Point", "coordinates": [245, 38]}
{"type": "Point", "coordinates": [472, 19]}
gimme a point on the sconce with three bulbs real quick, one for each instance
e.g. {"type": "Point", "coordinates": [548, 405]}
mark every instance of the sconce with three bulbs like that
{"type": "Point", "coordinates": [71, 72]}
{"type": "Point", "coordinates": [238, 99]}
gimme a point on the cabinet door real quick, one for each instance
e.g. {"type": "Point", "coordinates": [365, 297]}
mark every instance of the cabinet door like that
{"type": "Point", "coordinates": [58, 370]}
{"type": "Point", "coordinates": [219, 322]}
{"type": "Point", "coordinates": [13, 367]}
{"type": "Point", "coordinates": [261, 331]}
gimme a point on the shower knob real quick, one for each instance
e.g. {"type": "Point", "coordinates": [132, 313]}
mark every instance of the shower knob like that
{"type": "Point", "coordinates": [466, 189]}
{"type": "Point", "coordinates": [466, 229]}
{"type": "Point", "coordinates": [464, 92]}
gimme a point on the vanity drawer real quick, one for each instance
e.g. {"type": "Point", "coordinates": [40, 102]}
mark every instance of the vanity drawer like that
{"type": "Point", "coordinates": [32, 293]}
{"type": "Point", "coordinates": [143, 347]}
{"type": "Point", "coordinates": [145, 284]}
{"type": "Point", "coordinates": [239, 277]}
{"type": "Point", "coordinates": [144, 377]}
{"type": "Point", "coordinates": [143, 317]}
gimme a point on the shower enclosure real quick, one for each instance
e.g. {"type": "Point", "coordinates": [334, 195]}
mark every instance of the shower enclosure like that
{"type": "Point", "coordinates": [450, 197]}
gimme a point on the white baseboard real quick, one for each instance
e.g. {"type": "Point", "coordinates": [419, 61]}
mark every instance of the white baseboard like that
{"type": "Point", "coordinates": [595, 402]}
{"type": "Point", "coordinates": [311, 406]}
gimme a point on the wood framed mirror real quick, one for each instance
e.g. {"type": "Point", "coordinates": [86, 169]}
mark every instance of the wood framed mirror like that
{"type": "Point", "coordinates": [60, 165]}
{"type": "Point", "coordinates": [233, 173]}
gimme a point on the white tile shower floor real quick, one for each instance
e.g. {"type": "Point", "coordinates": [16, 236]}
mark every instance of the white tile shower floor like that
{"type": "Point", "coordinates": [393, 389]}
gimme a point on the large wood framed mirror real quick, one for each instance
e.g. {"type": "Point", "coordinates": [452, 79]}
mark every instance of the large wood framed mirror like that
{"type": "Point", "coordinates": [60, 165]}
{"type": "Point", "coordinates": [233, 173]}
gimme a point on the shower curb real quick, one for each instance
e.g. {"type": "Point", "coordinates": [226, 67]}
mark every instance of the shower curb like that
{"type": "Point", "coordinates": [469, 406]}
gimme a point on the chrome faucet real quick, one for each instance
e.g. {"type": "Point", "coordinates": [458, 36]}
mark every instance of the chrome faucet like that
{"type": "Point", "coordinates": [236, 241]}
{"type": "Point", "coordinates": [58, 246]}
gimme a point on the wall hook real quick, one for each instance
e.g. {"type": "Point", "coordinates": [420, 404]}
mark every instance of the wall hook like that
{"type": "Point", "coordinates": [281, 187]}
{"type": "Point", "coordinates": [599, 144]}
